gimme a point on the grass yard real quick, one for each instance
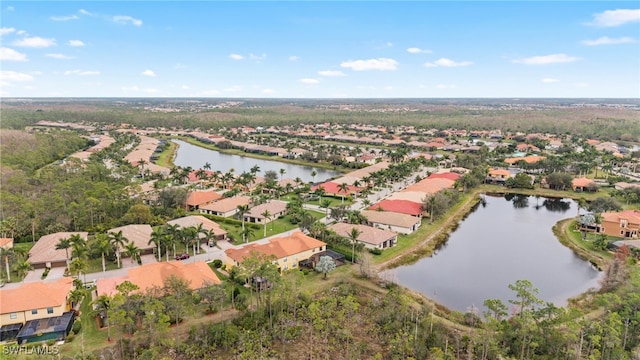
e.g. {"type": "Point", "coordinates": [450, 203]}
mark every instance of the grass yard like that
{"type": "Point", "coordinates": [275, 227]}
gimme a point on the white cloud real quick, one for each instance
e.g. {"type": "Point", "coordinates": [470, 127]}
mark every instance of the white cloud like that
{"type": "Point", "coordinates": [7, 54]}
{"type": "Point", "coordinates": [294, 58]}
{"type": "Point", "coordinates": [382, 64]}
{"type": "Point", "coordinates": [415, 50]}
{"type": "Point", "coordinates": [85, 12]}
{"type": "Point", "coordinates": [125, 20]}
{"type": "Point", "coordinates": [444, 62]}
{"type": "Point", "coordinates": [309, 81]}
{"type": "Point", "coordinates": [611, 18]}
{"type": "Point", "coordinates": [10, 8]}
{"type": "Point", "coordinates": [13, 76]}
{"type": "Point", "coordinates": [547, 59]}
{"type": "Point", "coordinates": [234, 88]}
{"type": "Point", "coordinates": [582, 84]}
{"type": "Point", "coordinates": [185, 87]}
{"type": "Point", "coordinates": [236, 56]}
{"type": "Point", "coordinates": [268, 91]}
{"type": "Point", "coordinates": [6, 30]}
{"type": "Point", "coordinates": [76, 43]}
{"type": "Point", "coordinates": [445, 86]}
{"type": "Point", "coordinates": [81, 72]}
{"type": "Point", "coordinates": [149, 73]}
{"type": "Point", "coordinates": [151, 91]}
{"type": "Point", "coordinates": [35, 42]}
{"type": "Point", "coordinates": [331, 73]}
{"type": "Point", "coordinates": [605, 40]}
{"type": "Point", "coordinates": [64, 18]}
{"type": "Point", "coordinates": [257, 57]}
{"type": "Point", "coordinates": [130, 88]}
{"type": "Point", "coordinates": [550, 80]}
{"type": "Point", "coordinates": [21, 32]}
{"type": "Point", "coordinates": [60, 56]}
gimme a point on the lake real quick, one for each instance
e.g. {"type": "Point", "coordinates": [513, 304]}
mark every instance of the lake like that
{"type": "Point", "coordinates": [508, 239]}
{"type": "Point", "coordinates": [196, 157]}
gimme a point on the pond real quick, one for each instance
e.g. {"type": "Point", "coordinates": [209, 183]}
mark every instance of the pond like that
{"type": "Point", "coordinates": [507, 239]}
{"type": "Point", "coordinates": [196, 157]}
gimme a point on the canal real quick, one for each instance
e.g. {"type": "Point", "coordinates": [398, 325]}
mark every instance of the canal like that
{"type": "Point", "coordinates": [507, 239]}
{"type": "Point", "coordinates": [196, 157]}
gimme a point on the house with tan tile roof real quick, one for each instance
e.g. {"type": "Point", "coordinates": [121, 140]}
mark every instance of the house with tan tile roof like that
{"type": "Point", "coordinates": [155, 275]}
{"type": "Point", "coordinates": [35, 300]}
{"type": "Point", "coordinates": [139, 234]}
{"type": "Point", "coordinates": [44, 254]}
{"type": "Point", "coordinates": [371, 237]}
{"type": "Point", "coordinates": [528, 159]}
{"type": "Point", "coordinates": [400, 223]}
{"type": "Point", "coordinates": [431, 185]}
{"type": "Point", "coordinates": [583, 184]}
{"type": "Point", "coordinates": [276, 209]}
{"type": "Point", "coordinates": [287, 252]}
{"type": "Point", "coordinates": [497, 176]}
{"type": "Point", "coordinates": [194, 220]}
{"type": "Point", "coordinates": [225, 207]}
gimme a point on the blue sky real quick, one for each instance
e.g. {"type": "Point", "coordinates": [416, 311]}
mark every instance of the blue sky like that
{"type": "Point", "coordinates": [348, 49]}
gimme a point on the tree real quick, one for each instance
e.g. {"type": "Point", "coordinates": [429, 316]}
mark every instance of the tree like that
{"type": "Point", "coordinates": [23, 267]}
{"type": "Point", "coordinates": [130, 249]}
{"type": "Point", "coordinates": [65, 244]}
{"type": "Point", "coordinates": [603, 204]}
{"type": "Point", "coordinates": [266, 215]}
{"type": "Point", "coordinates": [102, 304]}
{"type": "Point", "coordinates": [343, 188]}
{"type": "Point", "coordinates": [325, 203]}
{"type": "Point", "coordinates": [118, 240]}
{"type": "Point", "coordinates": [6, 254]}
{"type": "Point", "coordinates": [247, 233]}
{"type": "Point", "coordinates": [282, 172]}
{"type": "Point", "coordinates": [325, 265]}
{"type": "Point", "coordinates": [103, 245]}
{"type": "Point", "coordinates": [78, 266]}
{"type": "Point", "coordinates": [242, 209]}
{"type": "Point", "coordinates": [157, 236]}
{"type": "Point", "coordinates": [353, 236]}
{"type": "Point", "coordinates": [313, 177]}
{"type": "Point", "coordinates": [525, 294]}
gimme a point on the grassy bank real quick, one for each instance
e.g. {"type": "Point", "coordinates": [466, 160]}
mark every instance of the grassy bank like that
{"type": "Point", "coordinates": [166, 157]}
{"type": "Point", "coordinates": [571, 238]}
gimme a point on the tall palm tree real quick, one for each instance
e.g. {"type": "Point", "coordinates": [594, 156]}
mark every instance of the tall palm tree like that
{"type": "Point", "coordinates": [247, 233]}
{"type": "Point", "coordinates": [6, 255]}
{"type": "Point", "coordinates": [266, 215]}
{"type": "Point", "coordinates": [353, 236]}
{"type": "Point", "coordinates": [118, 240]}
{"type": "Point", "coordinates": [313, 175]}
{"type": "Point", "coordinates": [64, 244]}
{"type": "Point", "coordinates": [79, 266]}
{"type": "Point", "coordinates": [282, 172]}
{"type": "Point", "coordinates": [156, 238]}
{"type": "Point", "coordinates": [188, 235]}
{"type": "Point", "coordinates": [130, 249]}
{"type": "Point", "coordinates": [102, 304]}
{"type": "Point", "coordinates": [325, 203]}
{"type": "Point", "coordinates": [242, 209]}
{"type": "Point", "coordinates": [103, 245]}
{"type": "Point", "coordinates": [344, 188]}
{"type": "Point", "coordinates": [255, 169]}
{"type": "Point", "coordinates": [173, 232]}
{"type": "Point", "coordinates": [207, 166]}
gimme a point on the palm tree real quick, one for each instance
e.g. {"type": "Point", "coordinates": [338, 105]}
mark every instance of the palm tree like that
{"type": "Point", "coordinates": [156, 238]}
{"type": "Point", "coordinates": [266, 215]}
{"type": "Point", "coordinates": [187, 235]}
{"type": "Point", "coordinates": [132, 250]}
{"type": "Point", "coordinates": [207, 166]}
{"type": "Point", "coordinates": [118, 240]}
{"type": "Point", "coordinates": [103, 245]}
{"type": "Point", "coordinates": [353, 236]}
{"type": "Point", "coordinates": [79, 266]}
{"type": "Point", "coordinates": [102, 304]}
{"type": "Point", "coordinates": [282, 172]}
{"type": "Point", "coordinates": [325, 203]}
{"type": "Point", "coordinates": [23, 267]}
{"type": "Point", "coordinates": [255, 169]}
{"type": "Point", "coordinates": [78, 246]}
{"type": "Point", "coordinates": [313, 175]}
{"type": "Point", "coordinates": [209, 235]}
{"type": "Point", "coordinates": [64, 244]}
{"type": "Point", "coordinates": [343, 188]}
{"type": "Point", "coordinates": [247, 233]}
{"type": "Point", "coordinates": [6, 254]}
{"type": "Point", "coordinates": [242, 209]}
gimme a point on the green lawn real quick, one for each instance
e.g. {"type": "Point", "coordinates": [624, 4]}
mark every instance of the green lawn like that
{"type": "Point", "coordinates": [275, 227]}
{"type": "Point", "coordinates": [94, 338]}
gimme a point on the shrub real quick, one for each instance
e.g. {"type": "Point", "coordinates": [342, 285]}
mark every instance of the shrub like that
{"type": "Point", "coordinates": [217, 263]}
{"type": "Point", "coordinates": [76, 326]}
{"type": "Point", "coordinates": [375, 251]}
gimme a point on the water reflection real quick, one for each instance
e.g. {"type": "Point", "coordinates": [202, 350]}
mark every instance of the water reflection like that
{"type": "Point", "coordinates": [557, 205]}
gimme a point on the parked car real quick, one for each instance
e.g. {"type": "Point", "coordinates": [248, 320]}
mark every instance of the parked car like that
{"type": "Point", "coordinates": [182, 256]}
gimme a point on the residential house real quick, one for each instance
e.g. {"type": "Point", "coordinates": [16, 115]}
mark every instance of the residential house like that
{"type": "Point", "coordinates": [287, 252]}
{"type": "Point", "coordinates": [196, 199]}
{"type": "Point", "coordinates": [624, 224]}
{"type": "Point", "coordinates": [138, 234]}
{"type": "Point", "coordinates": [194, 220]}
{"type": "Point", "coordinates": [400, 223]}
{"type": "Point", "coordinates": [400, 206]}
{"type": "Point", "coordinates": [22, 308]}
{"type": "Point", "coordinates": [276, 209]}
{"type": "Point", "coordinates": [147, 277]}
{"type": "Point", "coordinates": [497, 176]}
{"type": "Point", "coordinates": [583, 184]}
{"type": "Point", "coordinates": [225, 207]}
{"type": "Point", "coordinates": [371, 237]}
{"type": "Point", "coordinates": [44, 253]}
{"type": "Point", "coordinates": [6, 243]}
{"type": "Point", "coordinates": [528, 159]}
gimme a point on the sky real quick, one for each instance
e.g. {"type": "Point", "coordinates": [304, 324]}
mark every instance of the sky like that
{"type": "Point", "coordinates": [324, 49]}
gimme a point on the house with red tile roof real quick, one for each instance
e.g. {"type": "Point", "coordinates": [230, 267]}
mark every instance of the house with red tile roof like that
{"type": "Point", "coordinates": [445, 175]}
{"type": "Point", "coordinates": [625, 224]}
{"type": "Point", "coordinates": [195, 199]}
{"type": "Point", "coordinates": [400, 206]}
{"type": "Point", "coordinates": [286, 252]}
{"type": "Point", "coordinates": [497, 176]}
{"type": "Point", "coordinates": [35, 300]}
{"type": "Point", "coordinates": [371, 237]}
{"type": "Point", "coordinates": [198, 275]}
{"type": "Point", "coordinates": [583, 184]}
{"type": "Point", "coordinates": [528, 159]}
{"type": "Point", "coordinates": [333, 188]}
{"type": "Point", "coordinates": [6, 243]}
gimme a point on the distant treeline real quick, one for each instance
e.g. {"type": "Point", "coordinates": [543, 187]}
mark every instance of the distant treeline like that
{"type": "Point", "coordinates": [600, 122]}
